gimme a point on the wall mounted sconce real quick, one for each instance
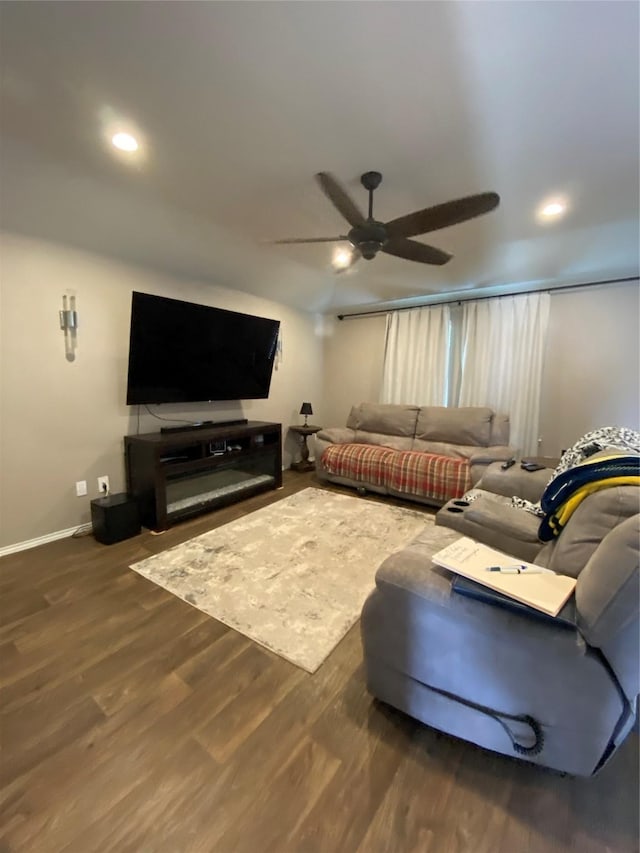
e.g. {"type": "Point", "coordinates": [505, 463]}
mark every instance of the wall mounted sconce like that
{"type": "Point", "coordinates": [69, 325]}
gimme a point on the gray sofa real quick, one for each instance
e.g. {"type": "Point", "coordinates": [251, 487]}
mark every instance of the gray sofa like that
{"type": "Point", "coordinates": [562, 692]}
{"type": "Point", "coordinates": [427, 454]}
{"type": "Point", "coordinates": [491, 518]}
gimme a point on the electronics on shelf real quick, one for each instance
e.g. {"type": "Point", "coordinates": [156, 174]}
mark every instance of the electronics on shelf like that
{"type": "Point", "coordinates": [203, 425]}
{"type": "Point", "coordinates": [172, 477]}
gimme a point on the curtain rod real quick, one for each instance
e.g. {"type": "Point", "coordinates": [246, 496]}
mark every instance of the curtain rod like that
{"type": "Point", "coordinates": [560, 289]}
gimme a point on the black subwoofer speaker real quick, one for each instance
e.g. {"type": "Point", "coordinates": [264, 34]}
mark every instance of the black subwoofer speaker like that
{"type": "Point", "coordinates": [114, 518]}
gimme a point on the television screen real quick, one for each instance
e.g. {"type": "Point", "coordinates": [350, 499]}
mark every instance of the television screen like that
{"type": "Point", "coordinates": [180, 352]}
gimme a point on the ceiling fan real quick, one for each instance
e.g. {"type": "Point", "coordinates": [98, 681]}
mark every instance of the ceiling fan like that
{"type": "Point", "coordinates": [368, 236]}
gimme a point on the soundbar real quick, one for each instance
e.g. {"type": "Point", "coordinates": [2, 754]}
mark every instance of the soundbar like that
{"type": "Point", "coordinates": [203, 425]}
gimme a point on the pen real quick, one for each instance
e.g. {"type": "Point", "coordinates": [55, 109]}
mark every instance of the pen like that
{"type": "Point", "coordinates": [516, 570]}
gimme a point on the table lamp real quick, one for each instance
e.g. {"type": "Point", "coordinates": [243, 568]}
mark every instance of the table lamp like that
{"type": "Point", "coordinates": [306, 410]}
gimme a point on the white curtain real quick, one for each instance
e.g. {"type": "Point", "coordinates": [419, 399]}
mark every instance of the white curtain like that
{"type": "Point", "coordinates": [502, 349]}
{"type": "Point", "coordinates": [416, 358]}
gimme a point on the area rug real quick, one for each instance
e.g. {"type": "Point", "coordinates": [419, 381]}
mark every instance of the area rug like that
{"type": "Point", "coordinates": [292, 576]}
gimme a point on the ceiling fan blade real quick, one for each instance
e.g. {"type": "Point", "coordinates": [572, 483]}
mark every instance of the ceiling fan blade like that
{"type": "Point", "coordinates": [413, 251]}
{"type": "Point", "coordinates": [308, 240]}
{"type": "Point", "coordinates": [442, 215]}
{"type": "Point", "coordinates": [338, 196]}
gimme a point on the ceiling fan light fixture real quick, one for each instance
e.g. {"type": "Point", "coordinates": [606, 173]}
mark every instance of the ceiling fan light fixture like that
{"type": "Point", "coordinates": [124, 142]}
{"type": "Point", "coordinates": [369, 249]}
{"type": "Point", "coordinates": [341, 258]}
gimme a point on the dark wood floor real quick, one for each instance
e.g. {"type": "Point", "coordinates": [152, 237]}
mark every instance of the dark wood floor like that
{"type": "Point", "coordinates": [134, 722]}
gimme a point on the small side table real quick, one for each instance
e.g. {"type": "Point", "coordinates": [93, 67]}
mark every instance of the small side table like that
{"type": "Point", "coordinates": [304, 431]}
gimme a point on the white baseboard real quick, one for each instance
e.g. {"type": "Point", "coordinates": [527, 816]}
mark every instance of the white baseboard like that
{"type": "Point", "coordinates": [42, 540]}
{"type": "Point", "coordinates": [50, 537]}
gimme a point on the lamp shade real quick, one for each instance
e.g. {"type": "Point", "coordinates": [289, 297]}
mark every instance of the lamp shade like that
{"type": "Point", "coordinates": [306, 409]}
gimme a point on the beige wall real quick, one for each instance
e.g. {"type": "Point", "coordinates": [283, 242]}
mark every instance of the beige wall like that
{"type": "Point", "coordinates": [353, 354]}
{"type": "Point", "coordinates": [64, 421]}
{"type": "Point", "coordinates": [590, 375]}
{"type": "Point", "coordinates": [592, 364]}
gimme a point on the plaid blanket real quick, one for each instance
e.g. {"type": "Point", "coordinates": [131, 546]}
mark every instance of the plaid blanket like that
{"type": "Point", "coordinates": [428, 475]}
{"type": "Point", "coordinates": [366, 462]}
{"type": "Point", "coordinates": [409, 472]}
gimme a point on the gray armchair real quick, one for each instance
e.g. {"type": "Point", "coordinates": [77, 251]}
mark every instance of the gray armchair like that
{"type": "Point", "coordinates": [561, 693]}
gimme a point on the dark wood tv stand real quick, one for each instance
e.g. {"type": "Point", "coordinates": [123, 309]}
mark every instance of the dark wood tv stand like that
{"type": "Point", "coordinates": [174, 476]}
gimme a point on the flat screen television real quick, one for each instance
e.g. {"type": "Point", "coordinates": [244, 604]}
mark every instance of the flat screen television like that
{"type": "Point", "coordinates": [180, 352]}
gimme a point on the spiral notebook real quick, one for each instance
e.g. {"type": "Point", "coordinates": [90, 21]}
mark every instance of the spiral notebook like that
{"type": "Point", "coordinates": [566, 618]}
{"type": "Point", "coordinates": [547, 592]}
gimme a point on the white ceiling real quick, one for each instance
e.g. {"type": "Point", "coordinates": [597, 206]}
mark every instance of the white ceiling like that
{"type": "Point", "coordinates": [240, 103]}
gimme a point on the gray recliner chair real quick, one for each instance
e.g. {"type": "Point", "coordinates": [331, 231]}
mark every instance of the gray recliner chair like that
{"type": "Point", "coordinates": [491, 519]}
{"type": "Point", "coordinates": [561, 693]}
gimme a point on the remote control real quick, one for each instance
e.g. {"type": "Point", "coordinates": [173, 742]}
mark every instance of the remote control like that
{"type": "Point", "coordinates": [508, 463]}
{"type": "Point", "coordinates": [531, 466]}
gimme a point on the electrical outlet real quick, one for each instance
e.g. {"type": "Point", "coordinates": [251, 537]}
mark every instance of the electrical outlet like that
{"type": "Point", "coordinates": [103, 485]}
{"type": "Point", "coordinates": [81, 488]}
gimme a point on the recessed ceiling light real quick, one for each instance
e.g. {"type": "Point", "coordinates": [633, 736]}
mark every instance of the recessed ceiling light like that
{"type": "Point", "coordinates": [125, 142]}
{"type": "Point", "coordinates": [551, 209]}
{"type": "Point", "coordinates": [341, 258]}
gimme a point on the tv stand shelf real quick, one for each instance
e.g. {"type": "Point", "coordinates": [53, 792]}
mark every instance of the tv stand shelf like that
{"type": "Point", "coordinates": [174, 476]}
